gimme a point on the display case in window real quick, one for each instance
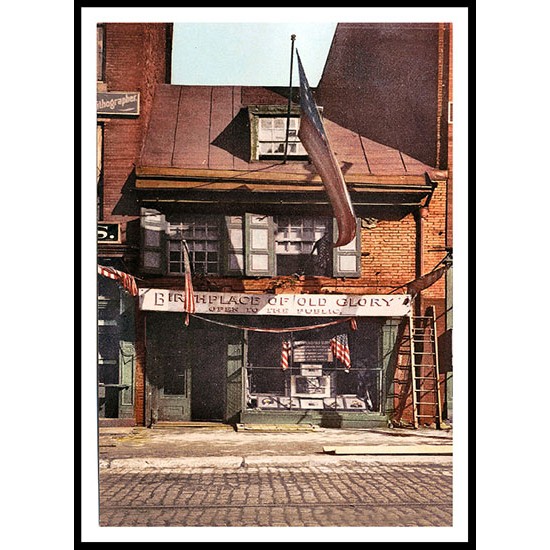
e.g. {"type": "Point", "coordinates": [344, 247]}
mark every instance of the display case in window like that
{"type": "Point", "coordinates": [310, 386]}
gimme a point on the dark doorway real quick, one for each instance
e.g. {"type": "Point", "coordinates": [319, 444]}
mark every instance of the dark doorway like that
{"type": "Point", "coordinates": [209, 365]}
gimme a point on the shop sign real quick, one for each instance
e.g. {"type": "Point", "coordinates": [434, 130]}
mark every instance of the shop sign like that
{"type": "Point", "coordinates": [117, 103]}
{"type": "Point", "coordinates": [108, 232]}
{"type": "Point", "coordinates": [309, 305]}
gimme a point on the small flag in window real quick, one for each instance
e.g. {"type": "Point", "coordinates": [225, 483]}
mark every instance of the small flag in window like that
{"type": "Point", "coordinates": [340, 350]}
{"type": "Point", "coordinates": [285, 354]}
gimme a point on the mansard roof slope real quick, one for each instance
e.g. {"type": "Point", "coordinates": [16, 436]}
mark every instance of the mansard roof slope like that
{"type": "Point", "coordinates": [205, 129]}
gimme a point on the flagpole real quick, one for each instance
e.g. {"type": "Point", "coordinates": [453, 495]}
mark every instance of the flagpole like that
{"type": "Point", "coordinates": [292, 38]}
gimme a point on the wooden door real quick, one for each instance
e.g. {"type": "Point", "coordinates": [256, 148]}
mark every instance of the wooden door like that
{"type": "Point", "coordinates": [174, 396]}
{"type": "Point", "coordinates": [168, 369]}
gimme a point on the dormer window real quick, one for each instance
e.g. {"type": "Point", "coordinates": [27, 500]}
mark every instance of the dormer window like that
{"type": "Point", "coordinates": [268, 125]}
{"type": "Point", "coordinates": [272, 137]}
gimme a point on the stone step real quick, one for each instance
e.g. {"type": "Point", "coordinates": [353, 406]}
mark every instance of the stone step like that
{"type": "Point", "coordinates": [193, 425]}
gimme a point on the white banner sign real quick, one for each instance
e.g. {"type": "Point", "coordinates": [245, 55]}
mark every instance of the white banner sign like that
{"type": "Point", "coordinates": [311, 305]}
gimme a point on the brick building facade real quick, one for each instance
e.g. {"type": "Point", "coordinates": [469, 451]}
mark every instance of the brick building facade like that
{"type": "Point", "coordinates": [200, 169]}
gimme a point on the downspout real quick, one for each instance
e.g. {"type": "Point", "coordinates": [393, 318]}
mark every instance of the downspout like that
{"type": "Point", "coordinates": [421, 216]}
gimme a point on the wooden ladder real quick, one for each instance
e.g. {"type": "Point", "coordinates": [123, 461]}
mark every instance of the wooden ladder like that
{"type": "Point", "coordinates": [426, 390]}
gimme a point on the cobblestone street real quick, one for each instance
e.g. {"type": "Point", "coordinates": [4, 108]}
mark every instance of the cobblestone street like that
{"type": "Point", "coordinates": [345, 494]}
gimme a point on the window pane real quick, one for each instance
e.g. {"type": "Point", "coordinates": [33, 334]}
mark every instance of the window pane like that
{"type": "Point", "coordinates": [265, 135]}
{"type": "Point", "coordinates": [213, 232]}
{"type": "Point", "coordinates": [265, 123]}
{"type": "Point", "coordinates": [266, 148]}
{"type": "Point", "coordinates": [307, 235]}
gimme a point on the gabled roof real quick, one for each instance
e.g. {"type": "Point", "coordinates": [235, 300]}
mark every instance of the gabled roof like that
{"type": "Point", "coordinates": [199, 133]}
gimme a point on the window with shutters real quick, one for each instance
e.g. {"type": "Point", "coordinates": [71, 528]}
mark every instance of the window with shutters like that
{"type": "Point", "coordinates": [254, 245]}
{"type": "Point", "coordinates": [202, 235]}
{"type": "Point", "coordinates": [302, 245]}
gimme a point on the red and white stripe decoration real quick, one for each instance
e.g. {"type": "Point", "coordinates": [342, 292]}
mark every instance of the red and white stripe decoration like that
{"type": "Point", "coordinates": [189, 295]}
{"type": "Point", "coordinates": [340, 350]}
{"type": "Point", "coordinates": [127, 281]}
{"type": "Point", "coordinates": [285, 354]}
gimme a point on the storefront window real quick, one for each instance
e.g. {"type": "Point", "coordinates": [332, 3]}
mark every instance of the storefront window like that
{"type": "Point", "coordinates": [315, 379]}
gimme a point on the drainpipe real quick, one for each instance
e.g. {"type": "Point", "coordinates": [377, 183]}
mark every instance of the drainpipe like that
{"type": "Point", "coordinates": [422, 214]}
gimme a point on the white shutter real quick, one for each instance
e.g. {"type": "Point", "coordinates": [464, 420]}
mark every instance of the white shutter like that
{"type": "Point", "coordinates": [346, 260]}
{"type": "Point", "coordinates": [233, 246]}
{"type": "Point", "coordinates": [153, 241]}
{"type": "Point", "coordinates": [259, 245]}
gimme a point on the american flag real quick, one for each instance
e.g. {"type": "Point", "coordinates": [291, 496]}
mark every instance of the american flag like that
{"type": "Point", "coordinates": [314, 138]}
{"type": "Point", "coordinates": [285, 354]}
{"type": "Point", "coordinates": [189, 295]}
{"type": "Point", "coordinates": [340, 350]}
{"type": "Point", "coordinates": [127, 281]}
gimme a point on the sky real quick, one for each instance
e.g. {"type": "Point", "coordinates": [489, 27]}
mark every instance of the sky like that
{"type": "Point", "coordinates": [248, 54]}
{"type": "Point", "coordinates": [252, 46]}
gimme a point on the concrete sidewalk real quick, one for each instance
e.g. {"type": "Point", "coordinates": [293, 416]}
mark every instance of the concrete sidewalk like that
{"type": "Point", "coordinates": [209, 446]}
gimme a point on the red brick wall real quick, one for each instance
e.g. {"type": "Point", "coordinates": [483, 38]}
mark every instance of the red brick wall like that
{"type": "Point", "coordinates": [136, 60]}
{"type": "Point", "coordinates": [388, 261]}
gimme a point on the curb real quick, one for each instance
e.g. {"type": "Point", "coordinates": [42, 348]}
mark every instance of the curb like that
{"type": "Point", "coordinates": [258, 461]}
